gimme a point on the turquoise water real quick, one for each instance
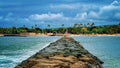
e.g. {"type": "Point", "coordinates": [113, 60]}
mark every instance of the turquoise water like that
{"type": "Point", "coordinates": [106, 48]}
{"type": "Point", "coordinates": [15, 49]}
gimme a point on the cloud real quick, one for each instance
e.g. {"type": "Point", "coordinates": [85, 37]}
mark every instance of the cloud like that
{"type": "Point", "coordinates": [110, 12]}
{"type": "Point", "coordinates": [48, 16]}
{"type": "Point", "coordinates": [82, 13]}
{"type": "Point", "coordinates": [1, 17]}
{"type": "Point", "coordinates": [115, 3]}
{"type": "Point", "coordinates": [81, 16]}
{"type": "Point", "coordinates": [93, 15]}
{"type": "Point", "coordinates": [55, 19]}
{"type": "Point", "coordinates": [74, 6]}
{"type": "Point", "coordinates": [63, 6]}
{"type": "Point", "coordinates": [10, 17]}
{"type": "Point", "coordinates": [117, 15]}
{"type": "Point", "coordinates": [107, 13]}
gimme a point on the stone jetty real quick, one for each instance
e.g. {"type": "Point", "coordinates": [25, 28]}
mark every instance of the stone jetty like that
{"type": "Point", "coordinates": [64, 53]}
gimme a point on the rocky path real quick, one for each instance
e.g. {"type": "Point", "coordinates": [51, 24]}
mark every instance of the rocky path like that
{"type": "Point", "coordinates": [64, 53]}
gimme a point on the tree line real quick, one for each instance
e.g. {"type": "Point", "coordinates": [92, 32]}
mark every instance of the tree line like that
{"type": "Point", "coordinates": [89, 28]}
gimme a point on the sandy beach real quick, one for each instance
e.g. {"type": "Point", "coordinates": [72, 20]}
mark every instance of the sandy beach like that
{"type": "Point", "coordinates": [51, 34]}
{"type": "Point", "coordinates": [94, 35]}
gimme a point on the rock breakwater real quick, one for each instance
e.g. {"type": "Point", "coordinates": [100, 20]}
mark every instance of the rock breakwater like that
{"type": "Point", "coordinates": [64, 53]}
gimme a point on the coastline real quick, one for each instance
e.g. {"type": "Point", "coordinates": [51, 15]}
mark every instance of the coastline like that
{"type": "Point", "coordinates": [94, 34]}
{"type": "Point", "coordinates": [51, 34]}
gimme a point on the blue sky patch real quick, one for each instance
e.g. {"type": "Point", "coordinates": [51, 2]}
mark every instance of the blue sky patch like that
{"type": "Point", "coordinates": [57, 12]}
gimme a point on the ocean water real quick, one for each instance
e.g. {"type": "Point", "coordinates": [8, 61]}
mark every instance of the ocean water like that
{"type": "Point", "coordinates": [106, 48]}
{"type": "Point", "coordinates": [13, 50]}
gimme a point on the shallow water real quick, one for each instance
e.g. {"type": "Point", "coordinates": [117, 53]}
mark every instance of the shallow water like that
{"type": "Point", "coordinates": [13, 50]}
{"type": "Point", "coordinates": [106, 48]}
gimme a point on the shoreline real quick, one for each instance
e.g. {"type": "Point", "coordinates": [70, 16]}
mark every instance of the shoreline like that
{"type": "Point", "coordinates": [95, 35]}
{"type": "Point", "coordinates": [50, 34]}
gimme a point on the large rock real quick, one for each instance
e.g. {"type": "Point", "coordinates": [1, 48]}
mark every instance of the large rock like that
{"type": "Point", "coordinates": [64, 53]}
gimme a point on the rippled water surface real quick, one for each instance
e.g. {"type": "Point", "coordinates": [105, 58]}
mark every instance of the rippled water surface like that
{"type": "Point", "coordinates": [13, 50]}
{"type": "Point", "coordinates": [106, 48]}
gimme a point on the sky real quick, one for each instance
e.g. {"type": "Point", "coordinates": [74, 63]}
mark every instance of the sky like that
{"type": "Point", "coordinates": [57, 12]}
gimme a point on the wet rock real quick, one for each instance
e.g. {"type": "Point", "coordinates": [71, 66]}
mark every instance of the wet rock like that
{"type": "Point", "coordinates": [64, 53]}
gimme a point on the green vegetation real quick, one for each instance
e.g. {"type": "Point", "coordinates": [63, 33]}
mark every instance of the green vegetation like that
{"type": "Point", "coordinates": [76, 29]}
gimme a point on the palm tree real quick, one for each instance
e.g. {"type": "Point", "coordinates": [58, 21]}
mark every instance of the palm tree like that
{"type": "Point", "coordinates": [49, 28]}
{"type": "Point", "coordinates": [35, 25]}
{"type": "Point", "coordinates": [119, 23]}
{"type": "Point", "coordinates": [62, 25]}
{"type": "Point", "coordinates": [92, 24]}
{"type": "Point", "coordinates": [88, 24]}
{"type": "Point", "coordinates": [81, 25]}
{"type": "Point", "coordinates": [48, 25]}
{"type": "Point", "coordinates": [84, 25]}
{"type": "Point", "coordinates": [14, 30]}
{"type": "Point", "coordinates": [76, 25]}
{"type": "Point", "coordinates": [32, 27]}
{"type": "Point", "coordinates": [62, 29]}
{"type": "Point", "coordinates": [24, 26]}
